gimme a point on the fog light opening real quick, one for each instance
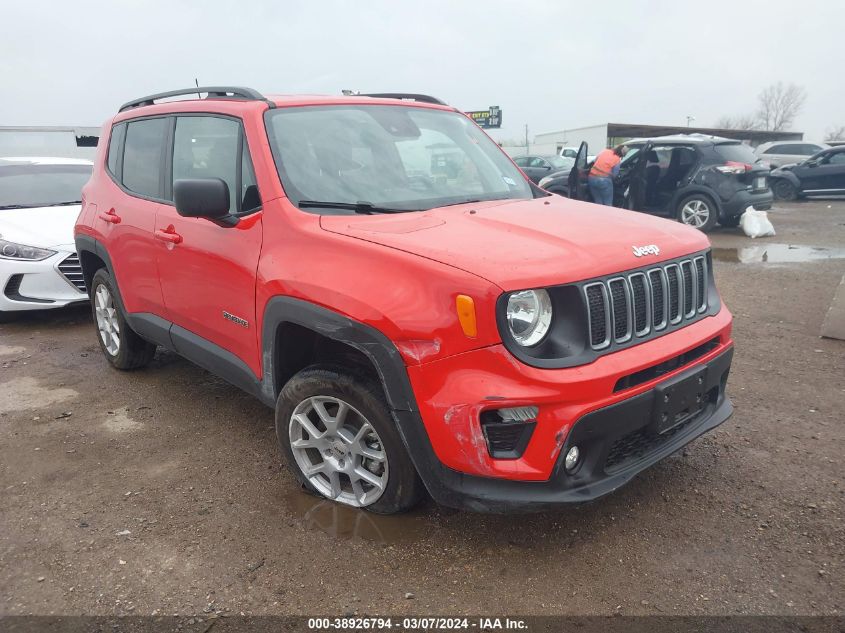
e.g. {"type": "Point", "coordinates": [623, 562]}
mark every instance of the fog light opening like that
{"type": "Point", "coordinates": [572, 459]}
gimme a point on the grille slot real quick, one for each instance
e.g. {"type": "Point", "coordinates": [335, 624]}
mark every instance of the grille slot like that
{"type": "Point", "coordinates": [689, 289]}
{"type": "Point", "coordinates": [634, 304]}
{"type": "Point", "coordinates": [72, 271]}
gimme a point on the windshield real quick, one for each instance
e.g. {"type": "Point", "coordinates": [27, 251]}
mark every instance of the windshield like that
{"type": "Point", "coordinates": [41, 185]}
{"type": "Point", "coordinates": [397, 157]}
{"type": "Point", "coordinates": [737, 152]}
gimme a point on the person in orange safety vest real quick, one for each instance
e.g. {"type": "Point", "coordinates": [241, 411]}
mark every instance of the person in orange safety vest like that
{"type": "Point", "coordinates": [605, 168]}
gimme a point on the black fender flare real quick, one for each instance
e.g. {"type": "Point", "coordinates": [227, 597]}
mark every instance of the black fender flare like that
{"type": "Point", "coordinates": [86, 243]}
{"type": "Point", "coordinates": [379, 349]}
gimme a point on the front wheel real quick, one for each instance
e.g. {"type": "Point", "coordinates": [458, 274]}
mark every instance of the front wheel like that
{"type": "Point", "coordinates": [121, 346]}
{"type": "Point", "coordinates": [699, 211]}
{"type": "Point", "coordinates": [340, 441]}
{"type": "Point", "coordinates": [784, 190]}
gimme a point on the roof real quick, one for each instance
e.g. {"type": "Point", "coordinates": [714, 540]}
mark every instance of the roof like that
{"type": "Point", "coordinates": [44, 160]}
{"type": "Point", "coordinates": [630, 130]}
{"type": "Point", "coordinates": [685, 139]}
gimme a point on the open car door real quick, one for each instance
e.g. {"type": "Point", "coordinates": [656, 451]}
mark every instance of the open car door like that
{"type": "Point", "coordinates": [578, 175]}
{"type": "Point", "coordinates": [635, 192]}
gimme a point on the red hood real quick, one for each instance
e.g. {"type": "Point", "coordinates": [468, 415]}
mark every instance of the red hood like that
{"type": "Point", "coordinates": [527, 243]}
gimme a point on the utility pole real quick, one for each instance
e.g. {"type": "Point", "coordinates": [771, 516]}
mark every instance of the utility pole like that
{"type": "Point", "coordinates": [690, 119]}
{"type": "Point", "coordinates": [526, 139]}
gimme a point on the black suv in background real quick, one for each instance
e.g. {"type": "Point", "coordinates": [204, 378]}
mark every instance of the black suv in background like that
{"type": "Point", "coordinates": [696, 179]}
{"type": "Point", "coordinates": [823, 174]}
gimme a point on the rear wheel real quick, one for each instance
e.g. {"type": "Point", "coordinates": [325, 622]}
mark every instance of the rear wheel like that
{"type": "Point", "coordinates": [784, 190]}
{"type": "Point", "coordinates": [699, 211]}
{"type": "Point", "coordinates": [121, 346]}
{"type": "Point", "coordinates": [341, 442]}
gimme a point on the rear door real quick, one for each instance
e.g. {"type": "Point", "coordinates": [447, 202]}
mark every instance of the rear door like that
{"type": "Point", "coordinates": [578, 175]}
{"type": "Point", "coordinates": [208, 269]}
{"type": "Point", "coordinates": [127, 207]}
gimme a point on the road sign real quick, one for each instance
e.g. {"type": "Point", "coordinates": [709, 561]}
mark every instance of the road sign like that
{"type": "Point", "coordinates": [492, 117]}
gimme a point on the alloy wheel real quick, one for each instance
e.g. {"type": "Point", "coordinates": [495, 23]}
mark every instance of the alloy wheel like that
{"type": "Point", "coordinates": [107, 322]}
{"type": "Point", "coordinates": [338, 451]}
{"type": "Point", "coordinates": [695, 213]}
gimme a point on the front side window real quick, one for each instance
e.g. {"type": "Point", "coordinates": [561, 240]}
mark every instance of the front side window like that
{"type": "Point", "coordinates": [23, 186]}
{"type": "Point", "coordinates": [401, 157]}
{"type": "Point", "coordinates": [207, 147]}
{"type": "Point", "coordinates": [836, 158]}
{"type": "Point", "coordinates": [142, 156]}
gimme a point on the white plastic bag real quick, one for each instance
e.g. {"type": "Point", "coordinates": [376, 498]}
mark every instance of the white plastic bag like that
{"type": "Point", "coordinates": [756, 223]}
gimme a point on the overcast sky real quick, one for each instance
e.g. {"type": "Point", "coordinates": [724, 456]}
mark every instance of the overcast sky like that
{"type": "Point", "coordinates": [550, 64]}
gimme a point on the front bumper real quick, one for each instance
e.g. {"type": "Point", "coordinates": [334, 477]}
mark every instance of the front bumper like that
{"type": "Point", "coordinates": [617, 443]}
{"type": "Point", "coordinates": [37, 285]}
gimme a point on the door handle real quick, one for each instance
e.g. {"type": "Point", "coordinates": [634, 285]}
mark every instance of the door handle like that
{"type": "Point", "coordinates": [168, 235]}
{"type": "Point", "coordinates": [110, 216]}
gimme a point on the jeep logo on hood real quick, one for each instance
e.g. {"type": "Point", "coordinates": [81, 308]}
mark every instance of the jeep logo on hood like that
{"type": "Point", "coordinates": [648, 249]}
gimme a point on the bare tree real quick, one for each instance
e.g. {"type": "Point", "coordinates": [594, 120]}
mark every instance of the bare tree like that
{"type": "Point", "coordinates": [741, 122]}
{"type": "Point", "coordinates": [835, 133]}
{"type": "Point", "coordinates": [779, 105]}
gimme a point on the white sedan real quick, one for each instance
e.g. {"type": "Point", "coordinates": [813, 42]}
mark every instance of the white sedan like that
{"type": "Point", "coordinates": [39, 201]}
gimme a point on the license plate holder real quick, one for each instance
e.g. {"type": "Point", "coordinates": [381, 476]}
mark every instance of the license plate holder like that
{"type": "Point", "coordinates": [677, 400]}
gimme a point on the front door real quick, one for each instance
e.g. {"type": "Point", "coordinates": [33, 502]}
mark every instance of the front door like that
{"type": "Point", "coordinates": [578, 175]}
{"type": "Point", "coordinates": [826, 176]}
{"type": "Point", "coordinates": [208, 269]}
{"type": "Point", "coordinates": [636, 180]}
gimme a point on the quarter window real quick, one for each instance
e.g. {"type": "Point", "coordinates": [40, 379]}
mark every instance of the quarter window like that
{"type": "Point", "coordinates": [142, 156]}
{"type": "Point", "coordinates": [117, 134]}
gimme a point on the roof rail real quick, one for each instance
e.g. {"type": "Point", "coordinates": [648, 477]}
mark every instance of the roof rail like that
{"type": "Point", "coordinates": [214, 92]}
{"type": "Point", "coordinates": [408, 96]}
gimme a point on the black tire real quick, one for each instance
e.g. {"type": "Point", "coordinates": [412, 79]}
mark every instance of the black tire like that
{"type": "Point", "coordinates": [132, 351]}
{"type": "Point", "coordinates": [784, 190]}
{"type": "Point", "coordinates": [700, 201]}
{"type": "Point", "coordinates": [732, 222]}
{"type": "Point", "coordinates": [404, 488]}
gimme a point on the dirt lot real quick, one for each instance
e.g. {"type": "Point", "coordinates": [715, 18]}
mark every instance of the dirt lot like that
{"type": "Point", "coordinates": [162, 490]}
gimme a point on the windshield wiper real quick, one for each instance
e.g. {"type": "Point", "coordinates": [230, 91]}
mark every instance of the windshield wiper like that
{"type": "Point", "coordinates": [357, 207]}
{"type": "Point", "coordinates": [18, 206]}
{"type": "Point", "coordinates": [65, 204]}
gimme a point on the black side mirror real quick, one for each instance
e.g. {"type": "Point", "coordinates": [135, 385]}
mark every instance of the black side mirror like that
{"type": "Point", "coordinates": [201, 198]}
{"type": "Point", "coordinates": [811, 162]}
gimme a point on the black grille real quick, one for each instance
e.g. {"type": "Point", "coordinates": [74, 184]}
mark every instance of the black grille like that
{"type": "Point", "coordinates": [598, 320]}
{"type": "Point", "coordinates": [72, 271]}
{"type": "Point", "coordinates": [658, 294]}
{"type": "Point", "coordinates": [633, 304]}
{"type": "Point", "coordinates": [655, 371]}
{"type": "Point", "coordinates": [638, 296]}
{"type": "Point", "coordinates": [619, 301]}
{"type": "Point", "coordinates": [686, 269]}
{"type": "Point", "coordinates": [674, 293]}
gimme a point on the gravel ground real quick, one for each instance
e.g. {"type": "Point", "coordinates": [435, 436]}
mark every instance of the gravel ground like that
{"type": "Point", "coordinates": [162, 491]}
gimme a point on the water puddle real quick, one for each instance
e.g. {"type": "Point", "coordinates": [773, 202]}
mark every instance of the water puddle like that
{"type": "Point", "coordinates": [777, 254]}
{"type": "Point", "coordinates": [344, 522]}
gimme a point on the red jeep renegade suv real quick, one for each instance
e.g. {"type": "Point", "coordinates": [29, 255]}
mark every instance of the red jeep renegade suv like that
{"type": "Point", "coordinates": [419, 314]}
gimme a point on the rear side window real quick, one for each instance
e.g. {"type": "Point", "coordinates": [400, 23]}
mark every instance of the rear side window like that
{"type": "Point", "coordinates": [142, 156]}
{"type": "Point", "coordinates": [115, 144]}
{"type": "Point", "coordinates": [736, 152]}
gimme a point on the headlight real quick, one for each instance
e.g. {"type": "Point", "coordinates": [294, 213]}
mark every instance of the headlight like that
{"type": "Point", "coordinates": [544, 181]}
{"type": "Point", "coordinates": [10, 250]}
{"type": "Point", "coordinates": [529, 316]}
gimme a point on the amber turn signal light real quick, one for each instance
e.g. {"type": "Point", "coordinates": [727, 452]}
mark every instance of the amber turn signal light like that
{"type": "Point", "coordinates": [466, 315]}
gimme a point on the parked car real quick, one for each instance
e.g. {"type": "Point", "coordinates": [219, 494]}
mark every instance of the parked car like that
{"type": "Point", "coordinates": [572, 152]}
{"type": "Point", "coordinates": [537, 167]}
{"type": "Point", "coordinates": [467, 334]}
{"type": "Point", "coordinates": [696, 179]}
{"type": "Point", "coordinates": [780, 153]}
{"type": "Point", "coordinates": [823, 174]}
{"type": "Point", "coordinates": [39, 202]}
